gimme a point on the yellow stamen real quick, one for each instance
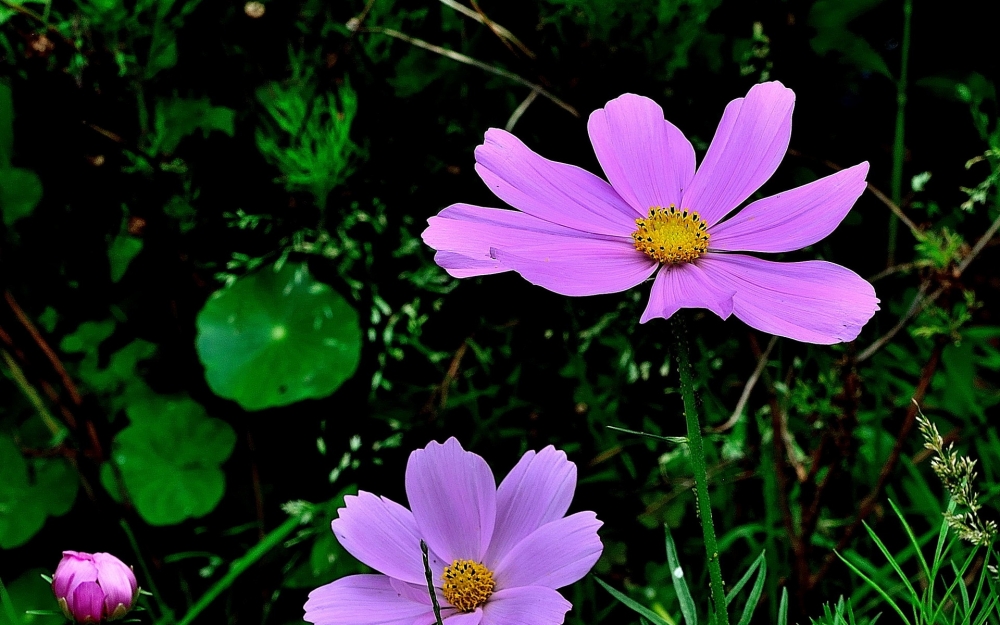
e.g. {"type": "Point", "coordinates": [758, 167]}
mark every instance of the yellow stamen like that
{"type": "Point", "coordinates": [670, 235]}
{"type": "Point", "coordinates": [467, 584]}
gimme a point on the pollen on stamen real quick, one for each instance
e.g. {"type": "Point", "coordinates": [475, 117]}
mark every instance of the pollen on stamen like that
{"type": "Point", "coordinates": [671, 235]}
{"type": "Point", "coordinates": [467, 584]}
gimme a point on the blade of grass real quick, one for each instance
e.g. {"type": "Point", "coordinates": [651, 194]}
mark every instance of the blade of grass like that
{"type": "Point", "coordinates": [634, 606]}
{"type": "Point", "coordinates": [738, 586]}
{"type": "Point", "coordinates": [678, 440]}
{"type": "Point", "coordinates": [688, 608]}
{"type": "Point", "coordinates": [877, 588]}
{"type": "Point", "coordinates": [963, 593]}
{"type": "Point", "coordinates": [892, 561]}
{"type": "Point", "coordinates": [755, 592]}
{"type": "Point", "coordinates": [951, 587]}
{"type": "Point", "coordinates": [783, 608]}
{"type": "Point", "coordinates": [8, 605]}
{"type": "Point", "coordinates": [913, 538]}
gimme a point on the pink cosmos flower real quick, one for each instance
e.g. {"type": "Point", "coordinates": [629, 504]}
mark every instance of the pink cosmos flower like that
{"type": "Point", "coordinates": [496, 554]}
{"type": "Point", "coordinates": [94, 588]}
{"type": "Point", "coordinates": [575, 234]}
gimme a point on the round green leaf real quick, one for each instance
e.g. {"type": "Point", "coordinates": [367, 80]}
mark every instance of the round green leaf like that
{"type": "Point", "coordinates": [277, 337]}
{"type": "Point", "coordinates": [169, 458]}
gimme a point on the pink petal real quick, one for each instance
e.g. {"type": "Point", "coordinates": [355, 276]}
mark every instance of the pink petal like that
{"type": "Point", "coordinates": [382, 534]}
{"type": "Point", "coordinates": [74, 568]}
{"type": "Point", "coordinates": [554, 555]}
{"type": "Point", "coordinates": [464, 618]}
{"type": "Point", "coordinates": [117, 581]}
{"type": "Point", "coordinates": [647, 159]}
{"type": "Point", "coordinates": [465, 234]}
{"type": "Point", "coordinates": [686, 286]}
{"type": "Point", "coordinates": [748, 145]}
{"type": "Point", "coordinates": [86, 603]}
{"type": "Point", "coordinates": [812, 301]}
{"type": "Point", "coordinates": [362, 600]}
{"type": "Point", "coordinates": [793, 219]}
{"type": "Point", "coordinates": [453, 496]}
{"type": "Point", "coordinates": [579, 267]}
{"type": "Point", "coordinates": [537, 490]}
{"type": "Point", "coordinates": [530, 605]}
{"type": "Point", "coordinates": [556, 192]}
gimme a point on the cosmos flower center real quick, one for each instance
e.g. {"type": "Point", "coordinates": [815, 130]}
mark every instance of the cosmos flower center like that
{"type": "Point", "coordinates": [467, 584]}
{"type": "Point", "coordinates": [671, 235]}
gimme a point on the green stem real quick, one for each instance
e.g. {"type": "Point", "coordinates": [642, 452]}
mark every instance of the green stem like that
{"type": "Point", "coordinates": [898, 145]}
{"type": "Point", "coordinates": [697, 446]}
{"type": "Point", "coordinates": [165, 613]}
{"type": "Point", "coordinates": [32, 395]}
{"type": "Point", "coordinates": [241, 564]}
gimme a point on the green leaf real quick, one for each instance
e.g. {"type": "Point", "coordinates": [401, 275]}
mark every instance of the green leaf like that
{"type": "Point", "coordinates": [48, 319]}
{"type": "Point", "coordinates": [20, 193]}
{"type": "Point", "coordinates": [177, 118]}
{"type": "Point", "coordinates": [169, 458]}
{"type": "Point", "coordinates": [26, 499]}
{"type": "Point", "coordinates": [121, 369]}
{"type": "Point", "coordinates": [162, 52]}
{"type": "Point", "coordinates": [122, 250]}
{"type": "Point", "coordinates": [6, 125]}
{"type": "Point", "coordinates": [277, 337]}
{"type": "Point", "coordinates": [830, 18]}
{"type": "Point", "coordinates": [20, 189]}
{"type": "Point", "coordinates": [28, 592]}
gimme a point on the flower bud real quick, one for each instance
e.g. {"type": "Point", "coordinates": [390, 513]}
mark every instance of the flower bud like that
{"type": "Point", "coordinates": [94, 587]}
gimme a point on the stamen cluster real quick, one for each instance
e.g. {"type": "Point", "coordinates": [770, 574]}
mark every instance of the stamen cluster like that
{"type": "Point", "coordinates": [671, 235]}
{"type": "Point", "coordinates": [467, 584]}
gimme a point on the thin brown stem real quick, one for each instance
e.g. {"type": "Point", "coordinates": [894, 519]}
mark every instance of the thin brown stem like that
{"type": "Point", "coordinates": [918, 304]}
{"type": "Point", "coordinates": [869, 501]}
{"type": "Point", "coordinates": [468, 60]}
{"type": "Point", "coordinates": [748, 388]}
{"type": "Point", "coordinates": [57, 365]}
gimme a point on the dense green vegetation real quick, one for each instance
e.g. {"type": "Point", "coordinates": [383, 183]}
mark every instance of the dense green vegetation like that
{"type": "Point", "coordinates": [219, 319]}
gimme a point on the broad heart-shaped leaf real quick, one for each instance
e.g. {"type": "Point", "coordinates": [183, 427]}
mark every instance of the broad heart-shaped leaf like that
{"type": "Point", "coordinates": [169, 458]}
{"type": "Point", "coordinates": [25, 502]}
{"type": "Point", "coordinates": [277, 337]}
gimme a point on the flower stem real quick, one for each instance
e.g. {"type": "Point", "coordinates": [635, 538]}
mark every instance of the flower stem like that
{"type": "Point", "coordinates": [898, 144]}
{"type": "Point", "coordinates": [430, 583]}
{"type": "Point", "coordinates": [277, 536]}
{"type": "Point", "coordinates": [697, 447]}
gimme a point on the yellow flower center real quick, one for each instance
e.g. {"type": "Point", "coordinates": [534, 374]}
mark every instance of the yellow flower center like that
{"type": "Point", "coordinates": [467, 584]}
{"type": "Point", "coordinates": [670, 235]}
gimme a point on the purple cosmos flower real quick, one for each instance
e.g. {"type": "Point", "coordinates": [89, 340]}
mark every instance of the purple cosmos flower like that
{"type": "Point", "coordinates": [94, 587]}
{"type": "Point", "coordinates": [575, 234]}
{"type": "Point", "coordinates": [496, 554]}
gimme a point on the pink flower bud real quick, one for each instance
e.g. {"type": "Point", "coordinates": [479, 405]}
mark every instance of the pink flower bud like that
{"type": "Point", "coordinates": [94, 587]}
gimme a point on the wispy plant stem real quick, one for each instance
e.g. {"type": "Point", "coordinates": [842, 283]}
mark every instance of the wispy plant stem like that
{"type": "Point", "coordinates": [241, 564]}
{"type": "Point", "coordinates": [697, 447]}
{"type": "Point", "coordinates": [899, 145]}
